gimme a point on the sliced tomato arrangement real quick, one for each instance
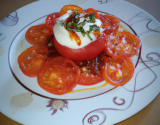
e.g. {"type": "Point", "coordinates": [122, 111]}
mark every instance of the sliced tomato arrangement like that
{"type": "Point", "coordinates": [123, 43]}
{"type": "Point", "coordinates": [59, 68]}
{"type": "Point", "coordinates": [38, 34]}
{"type": "Point", "coordinates": [32, 60]}
{"type": "Point", "coordinates": [70, 7]}
{"type": "Point", "coordinates": [59, 75]}
{"type": "Point", "coordinates": [51, 20]}
{"type": "Point", "coordinates": [117, 71]}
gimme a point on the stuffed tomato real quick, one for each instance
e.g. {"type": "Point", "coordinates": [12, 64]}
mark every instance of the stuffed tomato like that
{"type": "Point", "coordinates": [79, 35]}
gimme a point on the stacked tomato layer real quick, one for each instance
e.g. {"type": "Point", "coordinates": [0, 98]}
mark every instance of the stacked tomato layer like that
{"type": "Point", "coordinates": [59, 68]}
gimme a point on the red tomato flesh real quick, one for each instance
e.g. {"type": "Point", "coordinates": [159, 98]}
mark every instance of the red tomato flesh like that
{"type": "Point", "coordinates": [88, 52]}
{"type": "Point", "coordinates": [32, 60]}
{"type": "Point", "coordinates": [37, 35]}
{"type": "Point", "coordinates": [123, 43]}
{"type": "Point", "coordinates": [111, 23]}
{"type": "Point", "coordinates": [58, 76]}
{"type": "Point", "coordinates": [90, 71]}
{"type": "Point", "coordinates": [51, 20]}
{"type": "Point", "coordinates": [52, 52]}
{"type": "Point", "coordinates": [70, 7]}
{"type": "Point", "coordinates": [90, 11]}
{"type": "Point", "coordinates": [117, 71]}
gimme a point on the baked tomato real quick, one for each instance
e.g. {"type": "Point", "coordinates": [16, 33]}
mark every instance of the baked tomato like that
{"type": "Point", "coordinates": [37, 35]}
{"type": "Point", "coordinates": [86, 53]}
{"type": "Point", "coordinates": [111, 23]}
{"type": "Point", "coordinates": [51, 20]}
{"type": "Point", "coordinates": [117, 71]}
{"type": "Point", "coordinates": [70, 7]}
{"type": "Point", "coordinates": [90, 11]}
{"type": "Point", "coordinates": [90, 71]}
{"type": "Point", "coordinates": [52, 52]}
{"type": "Point", "coordinates": [58, 76]}
{"type": "Point", "coordinates": [32, 60]}
{"type": "Point", "coordinates": [123, 43]}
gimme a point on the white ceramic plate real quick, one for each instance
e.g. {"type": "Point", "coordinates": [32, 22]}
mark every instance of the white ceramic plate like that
{"type": "Point", "coordinates": [24, 101]}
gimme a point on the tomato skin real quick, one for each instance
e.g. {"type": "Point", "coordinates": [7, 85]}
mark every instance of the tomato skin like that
{"type": "Point", "coordinates": [111, 23]}
{"type": "Point", "coordinates": [37, 35]}
{"type": "Point", "coordinates": [89, 80]}
{"type": "Point", "coordinates": [119, 44]}
{"type": "Point", "coordinates": [51, 20]}
{"type": "Point", "coordinates": [117, 71]}
{"type": "Point", "coordinates": [58, 76]}
{"type": "Point", "coordinates": [70, 7]}
{"type": "Point", "coordinates": [84, 53]}
{"type": "Point", "coordinates": [32, 60]}
{"type": "Point", "coordinates": [91, 10]}
{"type": "Point", "coordinates": [52, 52]}
{"type": "Point", "coordinates": [90, 71]}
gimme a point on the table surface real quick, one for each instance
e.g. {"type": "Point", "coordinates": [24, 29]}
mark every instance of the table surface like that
{"type": "Point", "coordinates": [150, 114]}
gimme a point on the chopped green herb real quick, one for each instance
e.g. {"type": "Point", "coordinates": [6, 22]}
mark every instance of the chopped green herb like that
{"type": "Point", "coordinates": [74, 25]}
{"type": "Point", "coordinates": [76, 17]}
{"type": "Point", "coordinates": [83, 34]}
{"type": "Point", "coordinates": [67, 26]}
{"type": "Point", "coordinates": [82, 23]}
{"type": "Point", "coordinates": [94, 28]}
{"type": "Point", "coordinates": [89, 36]}
{"type": "Point", "coordinates": [90, 28]}
{"type": "Point", "coordinates": [115, 44]}
{"type": "Point", "coordinates": [90, 18]}
{"type": "Point", "coordinates": [82, 31]}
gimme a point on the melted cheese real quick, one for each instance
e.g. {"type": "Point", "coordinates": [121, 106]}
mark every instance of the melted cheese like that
{"type": "Point", "coordinates": [64, 37]}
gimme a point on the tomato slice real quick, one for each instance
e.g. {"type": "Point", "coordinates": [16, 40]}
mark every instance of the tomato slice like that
{"type": "Point", "coordinates": [70, 7]}
{"type": "Point", "coordinates": [87, 79]}
{"type": "Point", "coordinates": [52, 52]}
{"type": "Point", "coordinates": [37, 35]}
{"type": "Point", "coordinates": [90, 71]}
{"type": "Point", "coordinates": [111, 23]}
{"type": "Point", "coordinates": [123, 43]}
{"type": "Point", "coordinates": [86, 53]}
{"type": "Point", "coordinates": [32, 60]}
{"type": "Point", "coordinates": [117, 71]}
{"type": "Point", "coordinates": [51, 20]}
{"type": "Point", "coordinates": [58, 76]}
{"type": "Point", "coordinates": [91, 10]}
